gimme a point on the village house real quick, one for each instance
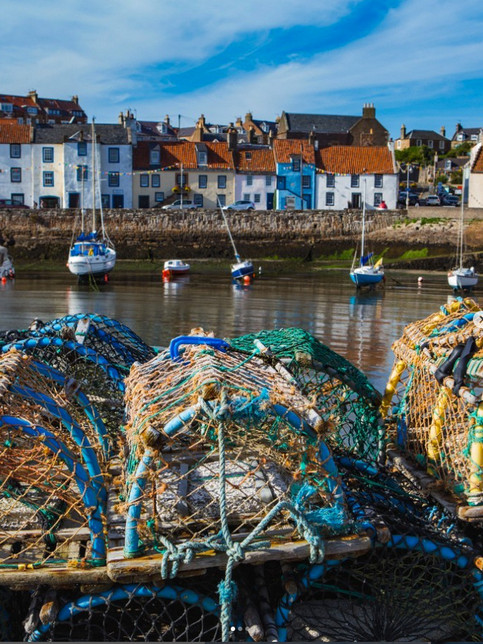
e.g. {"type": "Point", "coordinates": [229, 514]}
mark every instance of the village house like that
{"type": "Point", "coordinates": [202, 171]}
{"type": "Point", "coordinates": [475, 184]}
{"type": "Point", "coordinates": [256, 130]}
{"type": "Point", "coordinates": [465, 135]}
{"type": "Point", "coordinates": [32, 109]}
{"type": "Point", "coordinates": [349, 175]}
{"type": "Point", "coordinates": [295, 166]}
{"type": "Point", "coordinates": [16, 162]}
{"type": "Point", "coordinates": [434, 141]}
{"type": "Point", "coordinates": [327, 130]}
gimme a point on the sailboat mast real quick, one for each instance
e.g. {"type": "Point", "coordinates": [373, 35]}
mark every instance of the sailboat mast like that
{"type": "Point", "coordinates": [93, 134]}
{"type": "Point", "coordinates": [363, 215]}
{"type": "Point", "coordinates": [237, 256]}
{"type": "Point", "coordinates": [462, 218]}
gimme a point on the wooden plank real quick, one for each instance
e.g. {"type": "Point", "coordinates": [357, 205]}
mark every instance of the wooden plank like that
{"type": "Point", "coordinates": [53, 576]}
{"type": "Point", "coordinates": [148, 566]}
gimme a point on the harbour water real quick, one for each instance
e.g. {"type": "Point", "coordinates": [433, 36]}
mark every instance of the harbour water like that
{"type": "Point", "coordinates": [360, 326]}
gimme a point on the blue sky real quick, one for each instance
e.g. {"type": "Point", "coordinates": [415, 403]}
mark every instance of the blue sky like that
{"type": "Point", "coordinates": [418, 61]}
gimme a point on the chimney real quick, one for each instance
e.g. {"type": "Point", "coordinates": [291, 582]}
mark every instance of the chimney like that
{"type": "Point", "coordinates": [75, 99]}
{"type": "Point", "coordinates": [239, 123]}
{"type": "Point", "coordinates": [251, 135]}
{"type": "Point", "coordinates": [200, 128]}
{"type": "Point", "coordinates": [33, 95]}
{"type": "Point", "coordinates": [459, 127]}
{"type": "Point", "coordinates": [311, 138]}
{"type": "Point", "coordinates": [368, 111]}
{"type": "Point", "coordinates": [442, 131]}
{"type": "Point", "coordinates": [403, 131]}
{"type": "Point", "coordinates": [231, 137]}
{"type": "Point", "coordinates": [166, 119]}
{"type": "Point", "coordinates": [120, 119]}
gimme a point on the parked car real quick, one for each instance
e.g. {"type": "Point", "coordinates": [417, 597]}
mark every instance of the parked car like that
{"type": "Point", "coordinates": [432, 200]}
{"type": "Point", "coordinates": [450, 200]}
{"type": "Point", "coordinates": [241, 205]}
{"type": "Point", "coordinates": [8, 203]}
{"type": "Point", "coordinates": [413, 198]}
{"type": "Point", "coordinates": [186, 204]}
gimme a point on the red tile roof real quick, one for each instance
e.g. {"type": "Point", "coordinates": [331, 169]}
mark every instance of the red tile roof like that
{"type": "Point", "coordinates": [172, 154]}
{"type": "Point", "coordinates": [284, 149]}
{"type": "Point", "coordinates": [256, 161]}
{"type": "Point", "coordinates": [350, 159]}
{"type": "Point", "coordinates": [12, 132]}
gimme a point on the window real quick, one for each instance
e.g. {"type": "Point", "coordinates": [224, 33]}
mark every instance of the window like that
{"type": "Point", "coordinates": [113, 155]}
{"type": "Point", "coordinates": [202, 158]}
{"type": "Point", "coordinates": [113, 179]}
{"type": "Point", "coordinates": [378, 181]}
{"type": "Point", "coordinates": [398, 145]}
{"type": "Point", "coordinates": [155, 181]}
{"type": "Point", "coordinates": [105, 201]}
{"type": "Point", "coordinates": [306, 181]}
{"type": "Point", "coordinates": [16, 175]}
{"type": "Point", "coordinates": [221, 200]}
{"type": "Point", "coordinates": [256, 198]}
{"type": "Point", "coordinates": [159, 197]}
{"type": "Point", "coordinates": [47, 155]}
{"type": "Point", "coordinates": [144, 180]}
{"type": "Point", "coordinates": [377, 198]}
{"type": "Point", "coordinates": [249, 180]}
{"type": "Point", "coordinates": [448, 164]}
{"type": "Point", "coordinates": [6, 107]}
{"type": "Point", "coordinates": [154, 157]}
{"type": "Point", "coordinates": [198, 200]}
{"type": "Point", "coordinates": [268, 180]}
{"type": "Point", "coordinates": [281, 183]}
{"type": "Point", "coordinates": [248, 156]}
{"type": "Point", "coordinates": [221, 181]}
{"type": "Point", "coordinates": [82, 173]}
{"type": "Point", "coordinates": [18, 197]}
{"type": "Point", "coordinates": [354, 180]}
{"type": "Point", "coordinates": [15, 151]}
{"type": "Point", "coordinates": [430, 144]}
{"type": "Point", "coordinates": [441, 145]}
{"type": "Point", "coordinates": [48, 179]}
{"type": "Point", "coordinates": [246, 197]}
{"type": "Point", "coordinates": [330, 181]}
{"type": "Point", "coordinates": [82, 149]}
{"type": "Point", "coordinates": [31, 110]}
{"type": "Point", "coordinates": [182, 178]}
{"type": "Point", "coordinates": [419, 143]}
{"type": "Point", "coordinates": [460, 137]}
{"type": "Point", "coordinates": [295, 165]}
{"type": "Point", "coordinates": [202, 181]}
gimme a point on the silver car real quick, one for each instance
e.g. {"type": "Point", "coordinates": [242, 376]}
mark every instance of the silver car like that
{"type": "Point", "coordinates": [241, 205]}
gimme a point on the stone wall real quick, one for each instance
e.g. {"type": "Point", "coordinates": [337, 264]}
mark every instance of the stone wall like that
{"type": "Point", "coordinates": [143, 234]}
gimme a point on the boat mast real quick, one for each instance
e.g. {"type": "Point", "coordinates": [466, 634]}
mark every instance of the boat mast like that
{"type": "Point", "coordinates": [237, 256]}
{"type": "Point", "coordinates": [363, 215]}
{"type": "Point", "coordinates": [93, 134]}
{"type": "Point", "coordinates": [462, 218]}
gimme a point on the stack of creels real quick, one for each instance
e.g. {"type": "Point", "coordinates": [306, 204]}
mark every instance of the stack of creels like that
{"type": "Point", "coordinates": [342, 395]}
{"type": "Point", "coordinates": [227, 456]}
{"type": "Point", "coordinates": [433, 404]}
{"type": "Point", "coordinates": [424, 582]}
{"type": "Point", "coordinates": [53, 451]}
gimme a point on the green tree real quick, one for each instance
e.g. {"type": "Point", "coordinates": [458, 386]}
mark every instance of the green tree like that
{"type": "Point", "coordinates": [456, 177]}
{"type": "Point", "coordinates": [461, 150]}
{"type": "Point", "coordinates": [419, 155]}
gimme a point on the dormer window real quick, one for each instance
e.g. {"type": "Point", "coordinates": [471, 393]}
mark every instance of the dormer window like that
{"type": "Point", "coordinates": [202, 158]}
{"type": "Point", "coordinates": [474, 137]}
{"type": "Point", "coordinates": [154, 157]}
{"type": "Point", "coordinates": [248, 156]}
{"type": "Point", "coordinates": [31, 110]}
{"type": "Point", "coordinates": [6, 107]}
{"type": "Point", "coordinates": [460, 137]}
{"type": "Point", "coordinates": [264, 127]}
{"type": "Point", "coordinates": [163, 128]}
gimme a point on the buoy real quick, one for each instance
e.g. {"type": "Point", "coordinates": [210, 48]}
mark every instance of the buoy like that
{"type": "Point", "coordinates": [246, 279]}
{"type": "Point", "coordinates": [106, 278]}
{"type": "Point", "coordinates": [420, 280]}
{"type": "Point", "coordinates": [4, 280]}
{"type": "Point", "coordinates": [166, 274]}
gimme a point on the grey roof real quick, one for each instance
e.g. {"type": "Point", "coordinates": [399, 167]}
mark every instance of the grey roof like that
{"type": "Point", "coordinates": [109, 134]}
{"type": "Point", "coordinates": [425, 134]}
{"type": "Point", "coordinates": [323, 123]}
{"type": "Point", "coordinates": [468, 131]}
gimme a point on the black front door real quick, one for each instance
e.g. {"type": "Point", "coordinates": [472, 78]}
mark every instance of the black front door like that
{"type": "Point", "coordinates": [143, 201]}
{"type": "Point", "coordinates": [118, 201]}
{"type": "Point", "coordinates": [269, 200]}
{"type": "Point", "coordinates": [74, 200]}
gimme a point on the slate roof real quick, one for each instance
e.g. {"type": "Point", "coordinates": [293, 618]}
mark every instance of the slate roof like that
{"type": "Point", "coordinates": [320, 123]}
{"type": "Point", "coordinates": [467, 131]}
{"type": "Point", "coordinates": [152, 129]}
{"type": "Point", "coordinates": [108, 134]}
{"type": "Point", "coordinates": [345, 159]}
{"type": "Point", "coordinates": [425, 134]}
{"type": "Point", "coordinates": [284, 149]}
{"type": "Point", "coordinates": [254, 160]}
{"type": "Point", "coordinates": [12, 132]}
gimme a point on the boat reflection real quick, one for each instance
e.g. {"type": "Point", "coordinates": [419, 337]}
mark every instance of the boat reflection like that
{"type": "Point", "coordinates": [175, 283]}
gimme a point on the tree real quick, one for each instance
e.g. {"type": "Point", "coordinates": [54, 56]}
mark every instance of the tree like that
{"type": "Point", "coordinates": [419, 155]}
{"type": "Point", "coordinates": [461, 150]}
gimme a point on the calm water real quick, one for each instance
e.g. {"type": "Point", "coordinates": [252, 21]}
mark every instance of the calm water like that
{"type": "Point", "coordinates": [360, 327]}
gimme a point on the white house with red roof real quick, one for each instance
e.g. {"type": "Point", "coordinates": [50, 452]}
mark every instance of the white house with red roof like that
{"type": "Point", "coordinates": [16, 162]}
{"type": "Point", "coordinates": [349, 175]}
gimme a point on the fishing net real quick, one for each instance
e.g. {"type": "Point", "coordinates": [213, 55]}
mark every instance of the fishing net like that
{"type": "Point", "coordinates": [433, 398]}
{"type": "Point", "coordinates": [128, 613]}
{"type": "Point", "coordinates": [227, 456]}
{"type": "Point", "coordinates": [342, 394]}
{"type": "Point", "coordinates": [420, 584]}
{"type": "Point", "coordinates": [51, 485]}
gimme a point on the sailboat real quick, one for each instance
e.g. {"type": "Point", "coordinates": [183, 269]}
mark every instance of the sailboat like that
{"type": "Point", "coordinates": [240, 269]}
{"type": "Point", "coordinates": [462, 278]}
{"type": "Point", "coordinates": [92, 254]}
{"type": "Point", "coordinates": [367, 273]}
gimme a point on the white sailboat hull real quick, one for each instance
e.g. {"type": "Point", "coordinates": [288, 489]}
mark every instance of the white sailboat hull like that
{"type": "Point", "coordinates": [462, 278]}
{"type": "Point", "coordinates": [367, 275]}
{"type": "Point", "coordinates": [84, 264]}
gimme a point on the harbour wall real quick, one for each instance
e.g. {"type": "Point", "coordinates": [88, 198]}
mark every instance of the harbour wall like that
{"type": "Point", "coordinates": [156, 234]}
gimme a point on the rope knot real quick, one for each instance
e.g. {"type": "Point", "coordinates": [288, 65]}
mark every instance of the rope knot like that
{"type": "Point", "coordinates": [235, 552]}
{"type": "Point", "coordinates": [227, 592]}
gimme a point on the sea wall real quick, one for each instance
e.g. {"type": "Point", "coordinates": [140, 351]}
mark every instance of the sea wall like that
{"type": "Point", "coordinates": [153, 234]}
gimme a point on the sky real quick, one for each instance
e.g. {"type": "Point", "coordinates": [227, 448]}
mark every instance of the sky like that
{"type": "Point", "coordinates": [420, 62]}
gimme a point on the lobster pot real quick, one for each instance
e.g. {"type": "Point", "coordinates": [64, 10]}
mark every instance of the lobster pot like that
{"type": "Point", "coordinates": [433, 399]}
{"type": "Point", "coordinates": [130, 613]}
{"type": "Point", "coordinates": [51, 484]}
{"type": "Point", "coordinates": [222, 442]}
{"type": "Point", "coordinates": [420, 584]}
{"type": "Point", "coordinates": [342, 394]}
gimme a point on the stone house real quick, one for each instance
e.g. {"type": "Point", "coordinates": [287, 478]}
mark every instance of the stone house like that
{"type": "Point", "coordinates": [465, 134]}
{"type": "Point", "coordinates": [15, 162]}
{"type": "Point", "coordinates": [326, 130]}
{"type": "Point", "coordinates": [32, 109]}
{"type": "Point", "coordinates": [434, 141]}
{"type": "Point", "coordinates": [348, 175]}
